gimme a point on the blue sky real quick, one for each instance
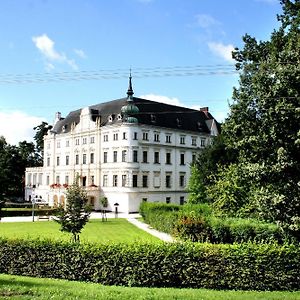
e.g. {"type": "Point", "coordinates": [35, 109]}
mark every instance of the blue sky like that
{"type": "Point", "coordinates": [43, 39]}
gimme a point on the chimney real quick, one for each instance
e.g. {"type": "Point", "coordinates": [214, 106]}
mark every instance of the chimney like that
{"type": "Point", "coordinates": [57, 117]}
{"type": "Point", "coordinates": [205, 110]}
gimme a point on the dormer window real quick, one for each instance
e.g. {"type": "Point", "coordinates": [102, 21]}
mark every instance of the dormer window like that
{"type": "Point", "coordinates": [110, 118]}
{"type": "Point", "coordinates": [119, 117]}
{"type": "Point", "coordinates": [178, 122]}
{"type": "Point", "coordinates": [153, 118]}
{"type": "Point", "coordinates": [64, 128]}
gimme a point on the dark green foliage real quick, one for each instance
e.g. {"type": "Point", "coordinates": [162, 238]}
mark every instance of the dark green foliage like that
{"type": "Point", "coordinates": [76, 214]}
{"type": "Point", "coordinates": [245, 266]}
{"type": "Point", "coordinates": [159, 215]}
{"type": "Point", "coordinates": [40, 131]}
{"type": "Point", "coordinates": [259, 173]}
{"type": "Point", "coordinates": [28, 212]}
{"type": "Point", "coordinates": [197, 223]}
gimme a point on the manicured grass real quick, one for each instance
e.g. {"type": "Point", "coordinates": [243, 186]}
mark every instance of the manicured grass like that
{"type": "Point", "coordinates": [96, 231]}
{"type": "Point", "coordinates": [20, 287]}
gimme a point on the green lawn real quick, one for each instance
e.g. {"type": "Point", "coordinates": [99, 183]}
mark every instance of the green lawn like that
{"type": "Point", "coordinates": [96, 231]}
{"type": "Point", "coordinates": [20, 287]}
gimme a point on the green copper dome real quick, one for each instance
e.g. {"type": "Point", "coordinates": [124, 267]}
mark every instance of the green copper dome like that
{"type": "Point", "coordinates": [130, 109]}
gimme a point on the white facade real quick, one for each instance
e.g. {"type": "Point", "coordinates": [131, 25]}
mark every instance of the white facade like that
{"type": "Point", "coordinates": [125, 162]}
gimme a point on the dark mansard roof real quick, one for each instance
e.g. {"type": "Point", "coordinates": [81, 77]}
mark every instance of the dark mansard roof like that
{"type": "Point", "coordinates": [150, 113]}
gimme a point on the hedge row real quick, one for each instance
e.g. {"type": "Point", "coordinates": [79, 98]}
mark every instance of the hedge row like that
{"type": "Point", "coordinates": [23, 212]}
{"type": "Point", "coordinates": [191, 265]}
{"type": "Point", "coordinates": [197, 224]}
{"type": "Point", "coordinates": [159, 215]}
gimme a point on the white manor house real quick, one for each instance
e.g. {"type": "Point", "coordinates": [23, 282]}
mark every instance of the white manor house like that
{"type": "Point", "coordinates": [128, 150]}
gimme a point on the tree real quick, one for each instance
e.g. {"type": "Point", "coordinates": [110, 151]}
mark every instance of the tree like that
{"type": "Point", "coordinates": [41, 131]}
{"type": "Point", "coordinates": [77, 212]}
{"type": "Point", "coordinates": [263, 125]}
{"type": "Point", "coordinates": [205, 167]}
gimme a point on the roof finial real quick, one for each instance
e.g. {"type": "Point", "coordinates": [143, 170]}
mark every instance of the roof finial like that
{"type": "Point", "coordinates": [130, 90]}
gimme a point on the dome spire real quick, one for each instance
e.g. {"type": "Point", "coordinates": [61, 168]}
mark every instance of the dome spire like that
{"type": "Point", "coordinates": [130, 90]}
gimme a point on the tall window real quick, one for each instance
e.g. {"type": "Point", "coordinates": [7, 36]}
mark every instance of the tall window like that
{"type": "Point", "coordinates": [156, 137]}
{"type": "Point", "coordinates": [76, 142]}
{"type": "Point", "coordinates": [124, 178]}
{"type": "Point", "coordinates": [194, 141]}
{"type": "Point", "coordinates": [48, 180]}
{"type": "Point", "coordinates": [156, 157]}
{"type": "Point", "coordinates": [182, 140]}
{"type": "Point", "coordinates": [168, 138]}
{"type": "Point", "coordinates": [115, 157]}
{"type": "Point", "coordinates": [48, 161]}
{"type": "Point", "coordinates": [124, 154]}
{"type": "Point", "coordinates": [67, 143]}
{"type": "Point", "coordinates": [134, 180]}
{"type": "Point", "coordinates": [67, 160]}
{"type": "Point", "coordinates": [168, 200]}
{"type": "Point", "coordinates": [84, 159]}
{"type": "Point", "coordinates": [92, 179]}
{"type": "Point", "coordinates": [66, 179]}
{"type": "Point", "coordinates": [105, 180]}
{"type": "Point", "coordinates": [168, 158]}
{"type": "Point", "coordinates": [202, 143]}
{"type": "Point", "coordinates": [182, 159]}
{"type": "Point", "coordinates": [135, 156]}
{"type": "Point", "coordinates": [92, 140]}
{"type": "Point", "coordinates": [57, 160]}
{"type": "Point", "coordinates": [84, 140]}
{"type": "Point", "coordinates": [124, 136]}
{"type": "Point", "coordinates": [145, 181]}
{"type": "Point", "coordinates": [57, 179]}
{"type": "Point", "coordinates": [135, 136]}
{"type": "Point", "coordinates": [77, 159]}
{"type": "Point", "coordinates": [181, 200]}
{"type": "Point", "coordinates": [92, 158]}
{"type": "Point", "coordinates": [105, 157]}
{"type": "Point", "coordinates": [145, 136]}
{"type": "Point", "coordinates": [145, 156]}
{"type": "Point", "coordinates": [115, 180]}
{"type": "Point", "coordinates": [182, 180]}
{"type": "Point", "coordinates": [105, 138]}
{"type": "Point", "coordinates": [193, 157]}
{"type": "Point", "coordinates": [84, 181]}
{"type": "Point", "coordinates": [168, 181]}
{"type": "Point", "coordinates": [115, 136]}
{"type": "Point", "coordinates": [58, 144]}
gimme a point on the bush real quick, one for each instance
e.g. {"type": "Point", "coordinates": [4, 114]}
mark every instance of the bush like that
{"type": "Point", "coordinates": [23, 212]}
{"type": "Point", "coordinates": [211, 229]}
{"type": "Point", "coordinates": [185, 265]}
{"type": "Point", "coordinates": [196, 222]}
{"type": "Point", "coordinates": [159, 215]}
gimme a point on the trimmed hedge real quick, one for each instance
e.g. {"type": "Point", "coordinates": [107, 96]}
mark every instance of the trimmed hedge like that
{"type": "Point", "coordinates": [159, 215]}
{"type": "Point", "coordinates": [191, 265]}
{"type": "Point", "coordinates": [196, 223]}
{"type": "Point", "coordinates": [23, 212]}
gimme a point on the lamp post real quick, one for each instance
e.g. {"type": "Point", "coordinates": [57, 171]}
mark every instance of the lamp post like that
{"type": "Point", "coordinates": [116, 209]}
{"type": "Point", "coordinates": [33, 203]}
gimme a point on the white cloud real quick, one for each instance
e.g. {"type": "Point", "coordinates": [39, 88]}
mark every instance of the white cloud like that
{"type": "Point", "coordinates": [221, 50]}
{"type": "Point", "coordinates": [162, 99]}
{"type": "Point", "coordinates": [205, 21]}
{"type": "Point", "coordinates": [80, 53]}
{"type": "Point", "coordinates": [17, 126]}
{"type": "Point", "coordinates": [46, 47]}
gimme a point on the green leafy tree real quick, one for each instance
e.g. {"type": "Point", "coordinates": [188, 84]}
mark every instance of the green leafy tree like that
{"type": "Point", "coordinates": [73, 218]}
{"type": "Point", "coordinates": [263, 126]}
{"type": "Point", "coordinates": [40, 131]}
{"type": "Point", "coordinates": [205, 168]}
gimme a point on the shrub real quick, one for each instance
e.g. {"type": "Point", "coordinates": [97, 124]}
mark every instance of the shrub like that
{"type": "Point", "coordinates": [190, 265]}
{"type": "Point", "coordinates": [159, 215]}
{"type": "Point", "coordinates": [23, 212]}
